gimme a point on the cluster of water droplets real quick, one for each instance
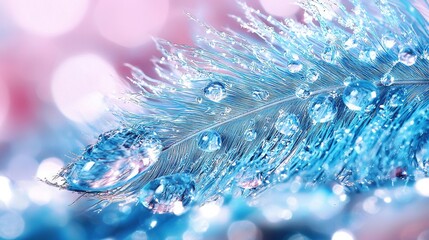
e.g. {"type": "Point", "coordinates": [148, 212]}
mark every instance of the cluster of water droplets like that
{"type": "Point", "coordinates": [317, 111]}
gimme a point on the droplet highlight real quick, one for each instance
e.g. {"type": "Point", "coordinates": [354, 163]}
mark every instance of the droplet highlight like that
{"type": "Point", "coordinates": [117, 157]}
{"type": "Point", "coordinates": [294, 66]}
{"type": "Point", "coordinates": [312, 75]}
{"type": "Point", "coordinates": [168, 194]}
{"type": "Point", "coordinates": [303, 91]}
{"type": "Point", "coordinates": [407, 56]}
{"type": "Point", "coordinates": [260, 95]}
{"type": "Point", "coordinates": [209, 141]}
{"type": "Point", "coordinates": [322, 108]}
{"type": "Point", "coordinates": [250, 135]}
{"type": "Point", "coordinates": [215, 91]}
{"type": "Point", "coordinates": [360, 95]}
{"type": "Point", "coordinates": [287, 124]}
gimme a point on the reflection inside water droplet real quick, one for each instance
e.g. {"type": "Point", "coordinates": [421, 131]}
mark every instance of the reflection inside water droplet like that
{"type": "Point", "coordinates": [360, 95]}
{"type": "Point", "coordinates": [322, 108]}
{"type": "Point", "coordinates": [215, 91]}
{"type": "Point", "coordinates": [209, 141]}
{"type": "Point", "coordinates": [287, 124]}
{"type": "Point", "coordinates": [168, 194]}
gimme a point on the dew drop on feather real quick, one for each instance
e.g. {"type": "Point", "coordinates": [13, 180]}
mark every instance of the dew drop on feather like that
{"type": "Point", "coordinates": [168, 194]}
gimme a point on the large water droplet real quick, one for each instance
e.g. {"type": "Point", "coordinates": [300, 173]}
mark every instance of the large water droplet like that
{"type": "Point", "coordinates": [312, 75]}
{"type": "Point", "coordinates": [360, 95]}
{"type": "Point", "coordinates": [250, 135]}
{"type": "Point", "coordinates": [215, 91]}
{"type": "Point", "coordinates": [303, 91]}
{"type": "Point", "coordinates": [407, 56]}
{"type": "Point", "coordinates": [168, 194]}
{"type": "Point", "coordinates": [387, 80]}
{"type": "Point", "coordinates": [287, 124]}
{"type": "Point", "coordinates": [260, 95]}
{"type": "Point", "coordinates": [349, 80]}
{"type": "Point", "coordinates": [322, 108]}
{"type": "Point", "coordinates": [294, 66]}
{"type": "Point", "coordinates": [117, 157]}
{"type": "Point", "coordinates": [209, 141]}
{"type": "Point", "coordinates": [368, 55]}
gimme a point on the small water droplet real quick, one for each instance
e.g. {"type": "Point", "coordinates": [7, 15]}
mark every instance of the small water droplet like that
{"type": "Point", "coordinates": [250, 135]}
{"type": "Point", "coordinates": [387, 80]}
{"type": "Point", "coordinates": [322, 108]}
{"type": "Point", "coordinates": [215, 91]}
{"type": "Point", "coordinates": [294, 66]}
{"type": "Point", "coordinates": [199, 100]}
{"type": "Point", "coordinates": [118, 156]}
{"type": "Point", "coordinates": [209, 141]}
{"type": "Point", "coordinates": [303, 91]}
{"type": "Point", "coordinates": [260, 95]}
{"type": "Point", "coordinates": [396, 97]}
{"type": "Point", "coordinates": [368, 55]}
{"type": "Point", "coordinates": [360, 95]}
{"type": "Point", "coordinates": [287, 124]}
{"type": "Point", "coordinates": [388, 40]}
{"type": "Point", "coordinates": [168, 194]}
{"type": "Point", "coordinates": [329, 55]}
{"type": "Point", "coordinates": [312, 75]}
{"type": "Point", "coordinates": [407, 56]}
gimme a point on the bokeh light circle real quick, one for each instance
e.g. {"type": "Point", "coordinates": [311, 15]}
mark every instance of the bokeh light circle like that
{"type": "Point", "coordinates": [4, 102]}
{"type": "Point", "coordinates": [80, 85]}
{"type": "Point", "coordinates": [130, 23]}
{"type": "Point", "coordinates": [280, 8]}
{"type": "Point", "coordinates": [47, 17]}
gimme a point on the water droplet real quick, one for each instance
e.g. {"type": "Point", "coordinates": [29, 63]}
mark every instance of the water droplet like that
{"type": "Point", "coordinates": [249, 180]}
{"type": "Point", "coordinates": [322, 108]}
{"type": "Point", "coordinates": [312, 75]}
{"type": "Point", "coordinates": [168, 194]}
{"type": "Point", "coordinates": [250, 135]}
{"type": "Point", "coordinates": [215, 91]}
{"type": "Point", "coordinates": [407, 56]}
{"type": "Point", "coordinates": [303, 91]}
{"type": "Point", "coordinates": [260, 95]}
{"type": "Point", "coordinates": [368, 55]}
{"type": "Point", "coordinates": [396, 97]}
{"type": "Point", "coordinates": [209, 141]}
{"type": "Point", "coordinates": [118, 156]}
{"type": "Point", "coordinates": [387, 80]}
{"type": "Point", "coordinates": [287, 124]}
{"type": "Point", "coordinates": [388, 40]}
{"type": "Point", "coordinates": [294, 66]}
{"type": "Point", "coordinates": [360, 95]}
{"type": "Point", "coordinates": [329, 54]}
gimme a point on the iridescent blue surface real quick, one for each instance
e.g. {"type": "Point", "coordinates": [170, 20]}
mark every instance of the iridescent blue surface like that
{"type": "Point", "coordinates": [168, 194]}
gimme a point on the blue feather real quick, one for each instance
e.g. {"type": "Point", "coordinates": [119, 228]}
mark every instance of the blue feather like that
{"type": "Point", "coordinates": [342, 97]}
